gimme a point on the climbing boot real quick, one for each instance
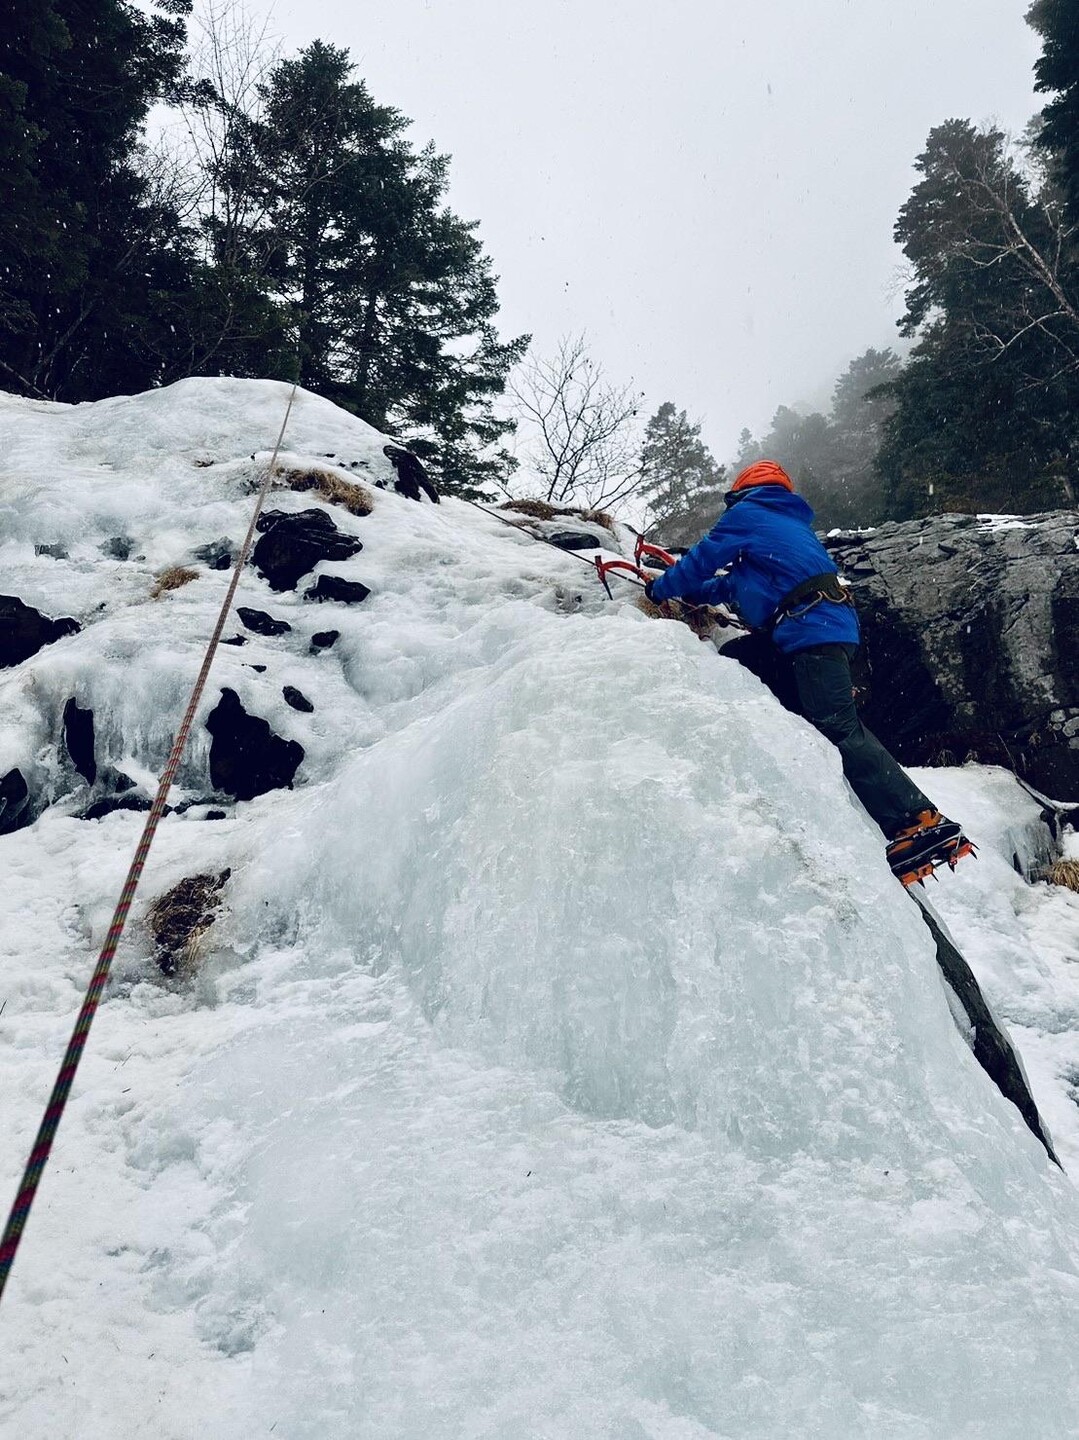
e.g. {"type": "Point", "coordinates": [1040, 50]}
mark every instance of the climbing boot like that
{"type": "Point", "coordinates": [927, 841]}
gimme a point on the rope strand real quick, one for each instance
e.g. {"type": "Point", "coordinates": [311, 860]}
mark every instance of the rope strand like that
{"type": "Point", "coordinates": [46, 1134]}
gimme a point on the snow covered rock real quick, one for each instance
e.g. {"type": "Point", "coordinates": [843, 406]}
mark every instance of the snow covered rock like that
{"type": "Point", "coordinates": [260, 622]}
{"type": "Point", "coordinates": [575, 539]}
{"type": "Point", "coordinates": [246, 757]}
{"type": "Point", "coordinates": [24, 630]}
{"type": "Point", "coordinates": [971, 633]}
{"type": "Point", "coordinates": [293, 544]}
{"type": "Point", "coordinates": [14, 802]}
{"type": "Point", "coordinates": [336, 587]}
{"type": "Point", "coordinates": [79, 739]}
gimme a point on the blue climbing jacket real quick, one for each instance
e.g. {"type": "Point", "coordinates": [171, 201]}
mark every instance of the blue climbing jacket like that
{"type": "Point", "coordinates": [766, 545]}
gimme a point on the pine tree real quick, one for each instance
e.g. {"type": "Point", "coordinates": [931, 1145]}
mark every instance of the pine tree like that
{"type": "Point", "coordinates": [1056, 72]}
{"type": "Point", "coordinates": [680, 477]}
{"type": "Point", "coordinates": [389, 297]}
{"type": "Point", "coordinates": [985, 408]}
{"type": "Point", "coordinates": [854, 494]}
{"type": "Point", "coordinates": [90, 261]}
{"type": "Point", "coordinates": [832, 458]}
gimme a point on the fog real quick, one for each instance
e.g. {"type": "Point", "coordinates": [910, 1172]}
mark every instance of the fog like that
{"type": "Point", "coordinates": [707, 189]}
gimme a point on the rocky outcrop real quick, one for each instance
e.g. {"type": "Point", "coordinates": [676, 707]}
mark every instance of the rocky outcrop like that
{"type": "Point", "coordinates": [291, 545]}
{"type": "Point", "coordinates": [109, 804]}
{"type": "Point", "coordinates": [574, 540]}
{"type": "Point", "coordinates": [216, 554]}
{"type": "Point", "coordinates": [15, 810]}
{"type": "Point", "coordinates": [260, 623]}
{"type": "Point", "coordinates": [246, 757]}
{"type": "Point", "coordinates": [411, 479]}
{"type": "Point", "coordinates": [297, 699]}
{"type": "Point", "coordinates": [79, 739]}
{"type": "Point", "coordinates": [971, 640]}
{"type": "Point", "coordinates": [333, 587]}
{"type": "Point", "coordinates": [24, 630]}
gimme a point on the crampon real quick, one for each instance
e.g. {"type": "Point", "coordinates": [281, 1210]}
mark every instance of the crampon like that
{"type": "Point", "coordinates": [922, 847]}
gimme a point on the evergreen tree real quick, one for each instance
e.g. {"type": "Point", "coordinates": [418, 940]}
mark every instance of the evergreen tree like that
{"type": "Point", "coordinates": [985, 408]}
{"type": "Point", "coordinates": [1057, 72]}
{"type": "Point", "coordinates": [832, 458]}
{"type": "Point", "coordinates": [854, 494]}
{"type": "Point", "coordinates": [389, 299]}
{"type": "Point", "coordinates": [90, 262]}
{"type": "Point", "coordinates": [678, 473]}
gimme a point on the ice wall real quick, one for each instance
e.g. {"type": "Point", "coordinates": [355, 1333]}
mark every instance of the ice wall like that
{"type": "Point", "coordinates": [567, 1063]}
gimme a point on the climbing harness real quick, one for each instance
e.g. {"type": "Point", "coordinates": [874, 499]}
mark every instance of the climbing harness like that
{"type": "Point", "coordinates": [43, 1143]}
{"type": "Point", "coordinates": [807, 595]}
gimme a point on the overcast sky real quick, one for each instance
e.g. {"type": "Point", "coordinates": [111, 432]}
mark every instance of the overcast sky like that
{"type": "Point", "coordinates": [707, 187]}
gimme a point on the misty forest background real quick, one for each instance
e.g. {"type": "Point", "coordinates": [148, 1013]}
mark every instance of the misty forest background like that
{"type": "Point", "coordinates": [184, 200]}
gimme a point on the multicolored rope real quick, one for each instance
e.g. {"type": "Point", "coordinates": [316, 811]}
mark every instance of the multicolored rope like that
{"type": "Point", "coordinates": [47, 1131]}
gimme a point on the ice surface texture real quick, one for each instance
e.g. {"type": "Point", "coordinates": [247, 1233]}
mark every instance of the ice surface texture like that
{"type": "Point", "coordinates": [567, 1063]}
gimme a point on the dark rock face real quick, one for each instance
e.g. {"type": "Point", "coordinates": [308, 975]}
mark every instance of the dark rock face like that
{"type": "Point", "coordinates": [109, 803]}
{"type": "Point", "coordinates": [14, 802]}
{"type": "Point", "coordinates": [79, 739]}
{"type": "Point", "coordinates": [332, 587]}
{"type": "Point", "coordinates": [324, 639]}
{"type": "Point", "coordinates": [24, 630]}
{"type": "Point", "coordinates": [297, 699]}
{"type": "Point", "coordinates": [246, 757]}
{"type": "Point", "coordinates": [991, 1045]}
{"type": "Point", "coordinates": [574, 540]}
{"type": "Point", "coordinates": [216, 555]}
{"type": "Point", "coordinates": [261, 623]}
{"type": "Point", "coordinates": [291, 545]}
{"type": "Point", "coordinates": [971, 641]}
{"type": "Point", "coordinates": [411, 479]}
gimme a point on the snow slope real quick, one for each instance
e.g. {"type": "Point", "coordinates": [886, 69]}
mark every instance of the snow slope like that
{"type": "Point", "coordinates": [566, 1062]}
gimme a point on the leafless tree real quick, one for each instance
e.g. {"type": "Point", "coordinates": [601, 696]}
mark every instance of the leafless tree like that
{"type": "Point", "coordinates": [581, 436]}
{"type": "Point", "coordinates": [232, 55]}
{"type": "Point", "coordinates": [1014, 232]}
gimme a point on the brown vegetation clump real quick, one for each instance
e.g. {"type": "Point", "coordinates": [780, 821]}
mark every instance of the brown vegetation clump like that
{"type": "Point", "coordinates": [329, 486]}
{"type": "Point", "coordinates": [700, 618]}
{"type": "Point", "coordinates": [172, 579]}
{"type": "Point", "coordinates": [179, 919]}
{"type": "Point", "coordinates": [1066, 873]}
{"type": "Point", "coordinates": [543, 510]}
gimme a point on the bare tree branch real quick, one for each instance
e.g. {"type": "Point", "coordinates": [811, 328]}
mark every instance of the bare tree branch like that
{"type": "Point", "coordinates": [585, 443]}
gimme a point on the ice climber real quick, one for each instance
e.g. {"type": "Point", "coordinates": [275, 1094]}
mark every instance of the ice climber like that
{"type": "Point", "coordinates": [782, 582]}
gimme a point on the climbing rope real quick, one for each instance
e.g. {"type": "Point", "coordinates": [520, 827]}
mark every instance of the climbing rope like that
{"type": "Point", "coordinates": [39, 1155]}
{"type": "Point", "coordinates": [542, 539]}
{"type": "Point", "coordinates": [602, 570]}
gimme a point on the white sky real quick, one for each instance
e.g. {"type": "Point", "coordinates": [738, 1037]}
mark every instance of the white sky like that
{"type": "Point", "coordinates": [708, 189]}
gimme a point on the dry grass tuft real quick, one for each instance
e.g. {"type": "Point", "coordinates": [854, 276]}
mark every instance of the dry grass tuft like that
{"type": "Point", "coordinates": [328, 485]}
{"type": "Point", "coordinates": [543, 510]}
{"type": "Point", "coordinates": [172, 579]}
{"type": "Point", "coordinates": [700, 619]}
{"type": "Point", "coordinates": [1066, 873]}
{"type": "Point", "coordinates": [179, 919]}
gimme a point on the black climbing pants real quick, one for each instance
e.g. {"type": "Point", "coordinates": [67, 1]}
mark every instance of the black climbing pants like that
{"type": "Point", "coordinates": [817, 683]}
